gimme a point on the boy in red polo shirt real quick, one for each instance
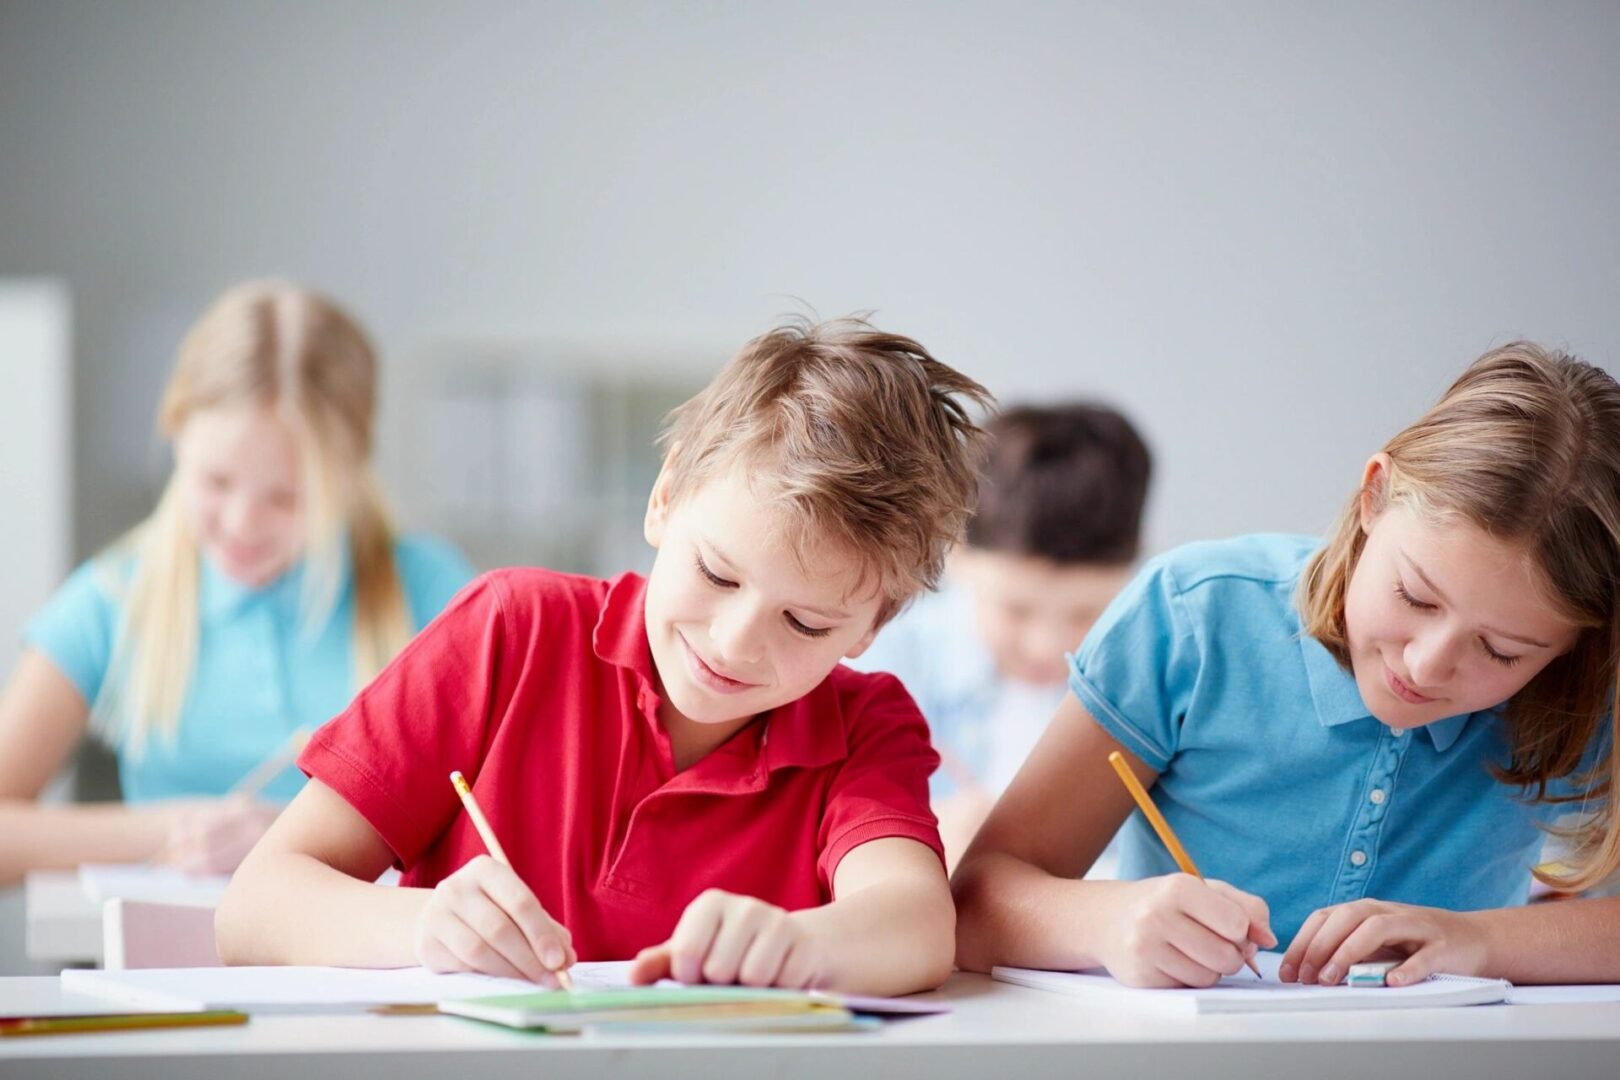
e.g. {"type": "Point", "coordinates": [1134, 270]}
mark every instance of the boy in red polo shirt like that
{"type": "Point", "coordinates": [678, 767]}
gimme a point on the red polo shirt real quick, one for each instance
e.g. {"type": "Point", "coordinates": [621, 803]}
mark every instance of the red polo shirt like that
{"type": "Point", "coordinates": [540, 687]}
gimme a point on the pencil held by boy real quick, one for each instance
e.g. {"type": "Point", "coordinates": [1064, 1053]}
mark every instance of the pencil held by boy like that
{"type": "Point", "coordinates": [678, 767]}
{"type": "Point", "coordinates": [1054, 536]}
{"type": "Point", "coordinates": [1364, 739]}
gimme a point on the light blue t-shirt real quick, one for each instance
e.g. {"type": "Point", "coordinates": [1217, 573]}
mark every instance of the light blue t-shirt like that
{"type": "Point", "coordinates": [980, 720]}
{"type": "Point", "coordinates": [257, 676]}
{"type": "Point", "coordinates": [1272, 772]}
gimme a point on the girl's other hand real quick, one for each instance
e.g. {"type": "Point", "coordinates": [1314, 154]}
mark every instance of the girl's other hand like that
{"type": "Point", "coordinates": [212, 836]}
{"type": "Point", "coordinates": [726, 938]}
{"type": "Point", "coordinates": [1179, 931]}
{"type": "Point", "coordinates": [484, 918]}
{"type": "Point", "coordinates": [1426, 940]}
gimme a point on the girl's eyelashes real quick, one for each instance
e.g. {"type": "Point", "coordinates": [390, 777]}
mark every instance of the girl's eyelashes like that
{"type": "Point", "coordinates": [1412, 601]}
{"type": "Point", "coordinates": [713, 579]}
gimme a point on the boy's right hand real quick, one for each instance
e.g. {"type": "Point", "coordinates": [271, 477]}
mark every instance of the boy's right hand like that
{"type": "Point", "coordinates": [1179, 931]}
{"type": "Point", "coordinates": [483, 918]}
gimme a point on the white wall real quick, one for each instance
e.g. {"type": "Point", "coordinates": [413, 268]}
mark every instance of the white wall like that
{"type": "Point", "coordinates": [36, 462]}
{"type": "Point", "coordinates": [1273, 231]}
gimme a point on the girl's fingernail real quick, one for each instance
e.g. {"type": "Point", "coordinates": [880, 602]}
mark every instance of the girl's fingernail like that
{"type": "Point", "coordinates": [1287, 972]}
{"type": "Point", "coordinates": [1329, 976]}
{"type": "Point", "coordinates": [1307, 974]}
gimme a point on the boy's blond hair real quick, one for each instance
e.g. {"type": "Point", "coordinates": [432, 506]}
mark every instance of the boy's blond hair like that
{"type": "Point", "coordinates": [1525, 446]}
{"type": "Point", "coordinates": [861, 436]}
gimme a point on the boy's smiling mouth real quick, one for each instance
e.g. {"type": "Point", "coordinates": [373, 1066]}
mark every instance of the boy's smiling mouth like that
{"type": "Point", "coordinates": [707, 675]}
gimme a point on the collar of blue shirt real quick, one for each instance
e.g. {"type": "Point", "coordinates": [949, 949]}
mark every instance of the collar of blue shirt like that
{"type": "Point", "coordinates": [1338, 701]}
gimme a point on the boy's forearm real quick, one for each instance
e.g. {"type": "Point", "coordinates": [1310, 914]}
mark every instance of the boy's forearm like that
{"type": "Point", "coordinates": [58, 837]}
{"type": "Point", "coordinates": [294, 909]}
{"type": "Point", "coordinates": [1010, 912]}
{"type": "Point", "coordinates": [892, 937]}
{"type": "Point", "coordinates": [1569, 941]}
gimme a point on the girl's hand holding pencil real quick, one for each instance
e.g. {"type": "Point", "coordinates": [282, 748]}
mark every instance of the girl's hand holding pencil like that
{"type": "Point", "coordinates": [1178, 930]}
{"type": "Point", "coordinates": [213, 836]}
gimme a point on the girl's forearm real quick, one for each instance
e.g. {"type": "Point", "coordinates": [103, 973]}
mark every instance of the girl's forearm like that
{"type": "Point", "coordinates": [1010, 912]}
{"type": "Point", "coordinates": [1569, 941]}
{"type": "Point", "coordinates": [891, 937]}
{"type": "Point", "coordinates": [284, 908]}
{"type": "Point", "coordinates": [35, 837]}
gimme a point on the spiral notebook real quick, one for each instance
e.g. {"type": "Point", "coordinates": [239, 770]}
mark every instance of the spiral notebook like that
{"type": "Point", "coordinates": [1243, 993]}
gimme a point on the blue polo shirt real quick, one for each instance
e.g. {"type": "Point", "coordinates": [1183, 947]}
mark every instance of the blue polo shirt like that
{"type": "Point", "coordinates": [258, 675]}
{"type": "Point", "coordinates": [1272, 771]}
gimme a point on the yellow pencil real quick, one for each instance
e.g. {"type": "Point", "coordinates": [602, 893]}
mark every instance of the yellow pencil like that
{"type": "Point", "coordinates": [1160, 826]}
{"type": "Point", "coordinates": [487, 834]}
{"type": "Point", "coordinates": [67, 1025]}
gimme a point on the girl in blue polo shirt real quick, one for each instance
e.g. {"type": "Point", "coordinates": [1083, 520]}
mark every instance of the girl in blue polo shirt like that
{"type": "Point", "coordinates": [266, 587]}
{"type": "Point", "coordinates": [1361, 743]}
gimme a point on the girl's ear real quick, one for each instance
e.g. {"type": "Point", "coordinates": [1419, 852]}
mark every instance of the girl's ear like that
{"type": "Point", "coordinates": [1374, 488]}
{"type": "Point", "coordinates": [657, 518]}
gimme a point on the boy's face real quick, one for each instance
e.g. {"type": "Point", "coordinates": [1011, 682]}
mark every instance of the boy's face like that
{"type": "Point", "coordinates": [737, 621]}
{"type": "Point", "coordinates": [1031, 611]}
{"type": "Point", "coordinates": [1443, 619]}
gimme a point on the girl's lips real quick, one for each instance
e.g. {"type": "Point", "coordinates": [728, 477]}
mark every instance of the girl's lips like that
{"type": "Point", "coordinates": [709, 677]}
{"type": "Point", "coordinates": [1402, 691]}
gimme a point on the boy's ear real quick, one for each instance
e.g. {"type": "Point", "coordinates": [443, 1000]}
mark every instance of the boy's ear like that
{"type": "Point", "coordinates": [865, 642]}
{"type": "Point", "coordinates": [652, 527]}
{"type": "Point", "coordinates": [1374, 488]}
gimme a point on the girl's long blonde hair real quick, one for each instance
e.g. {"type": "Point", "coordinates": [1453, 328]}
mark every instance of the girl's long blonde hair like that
{"type": "Point", "coordinates": [273, 345]}
{"type": "Point", "coordinates": [1525, 446]}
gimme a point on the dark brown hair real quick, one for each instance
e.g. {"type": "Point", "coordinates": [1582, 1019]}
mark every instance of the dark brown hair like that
{"type": "Point", "coordinates": [1064, 483]}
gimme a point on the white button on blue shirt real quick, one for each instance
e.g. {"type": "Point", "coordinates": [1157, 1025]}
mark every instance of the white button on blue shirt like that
{"type": "Point", "coordinates": [1272, 771]}
{"type": "Point", "coordinates": [257, 676]}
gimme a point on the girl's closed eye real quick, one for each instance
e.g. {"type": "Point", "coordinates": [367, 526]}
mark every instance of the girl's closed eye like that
{"type": "Point", "coordinates": [1409, 599]}
{"type": "Point", "coordinates": [1501, 658]}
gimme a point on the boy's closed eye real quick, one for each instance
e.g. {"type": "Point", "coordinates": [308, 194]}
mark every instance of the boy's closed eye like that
{"type": "Point", "coordinates": [793, 621]}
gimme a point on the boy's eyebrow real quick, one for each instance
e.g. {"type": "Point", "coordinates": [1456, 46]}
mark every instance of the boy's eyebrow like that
{"type": "Point", "coordinates": [835, 614]}
{"type": "Point", "coordinates": [1418, 570]}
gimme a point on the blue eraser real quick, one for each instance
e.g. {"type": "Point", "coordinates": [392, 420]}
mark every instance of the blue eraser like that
{"type": "Point", "coordinates": [1371, 973]}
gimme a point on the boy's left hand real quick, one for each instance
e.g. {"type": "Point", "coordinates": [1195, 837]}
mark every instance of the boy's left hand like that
{"type": "Point", "coordinates": [726, 938]}
{"type": "Point", "coordinates": [1427, 940]}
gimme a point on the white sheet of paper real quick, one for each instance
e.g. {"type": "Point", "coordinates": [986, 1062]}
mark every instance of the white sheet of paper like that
{"type": "Point", "coordinates": [1245, 993]}
{"type": "Point", "coordinates": [309, 989]}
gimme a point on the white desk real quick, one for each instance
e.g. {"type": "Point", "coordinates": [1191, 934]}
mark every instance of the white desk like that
{"type": "Point", "coordinates": [64, 924]}
{"type": "Point", "coordinates": [996, 1032]}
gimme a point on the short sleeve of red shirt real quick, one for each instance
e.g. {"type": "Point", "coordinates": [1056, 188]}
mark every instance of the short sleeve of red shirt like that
{"type": "Point", "coordinates": [881, 788]}
{"type": "Point", "coordinates": [390, 753]}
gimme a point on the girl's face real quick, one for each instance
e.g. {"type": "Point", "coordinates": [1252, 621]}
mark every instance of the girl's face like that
{"type": "Point", "coordinates": [239, 473]}
{"type": "Point", "coordinates": [1443, 619]}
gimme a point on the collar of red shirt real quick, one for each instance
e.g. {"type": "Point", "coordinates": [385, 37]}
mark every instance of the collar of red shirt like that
{"type": "Point", "coordinates": [806, 733]}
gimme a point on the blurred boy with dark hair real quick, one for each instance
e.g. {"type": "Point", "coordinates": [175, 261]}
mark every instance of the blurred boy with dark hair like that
{"type": "Point", "coordinates": [1056, 532]}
